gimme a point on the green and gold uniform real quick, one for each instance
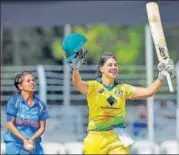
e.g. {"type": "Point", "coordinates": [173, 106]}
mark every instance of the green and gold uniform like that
{"type": "Point", "coordinates": [106, 111]}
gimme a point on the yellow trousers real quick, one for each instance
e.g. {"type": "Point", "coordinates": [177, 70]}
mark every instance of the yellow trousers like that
{"type": "Point", "coordinates": [103, 142]}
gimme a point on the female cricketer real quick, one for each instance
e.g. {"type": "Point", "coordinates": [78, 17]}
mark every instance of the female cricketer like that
{"type": "Point", "coordinates": [106, 98]}
{"type": "Point", "coordinates": [26, 118]}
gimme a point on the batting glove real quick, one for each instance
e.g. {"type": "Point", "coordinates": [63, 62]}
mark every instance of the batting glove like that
{"type": "Point", "coordinates": [79, 59]}
{"type": "Point", "coordinates": [166, 66]}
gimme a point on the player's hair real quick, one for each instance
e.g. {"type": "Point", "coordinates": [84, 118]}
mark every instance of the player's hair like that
{"type": "Point", "coordinates": [102, 61]}
{"type": "Point", "coordinates": [19, 79]}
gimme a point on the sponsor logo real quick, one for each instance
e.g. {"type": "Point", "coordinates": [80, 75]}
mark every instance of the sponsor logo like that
{"type": "Point", "coordinates": [162, 51]}
{"type": "Point", "coordinates": [103, 107]}
{"type": "Point", "coordinates": [101, 91]}
{"type": "Point", "coordinates": [28, 122]}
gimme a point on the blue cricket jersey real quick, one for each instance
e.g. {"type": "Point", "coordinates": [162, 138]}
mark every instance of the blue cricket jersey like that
{"type": "Point", "coordinates": [27, 118]}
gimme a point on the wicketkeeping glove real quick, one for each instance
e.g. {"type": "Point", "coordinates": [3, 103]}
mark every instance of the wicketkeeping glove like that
{"type": "Point", "coordinates": [166, 66]}
{"type": "Point", "coordinates": [79, 59]}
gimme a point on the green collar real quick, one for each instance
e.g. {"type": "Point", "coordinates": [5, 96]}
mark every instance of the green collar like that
{"type": "Point", "coordinates": [116, 82]}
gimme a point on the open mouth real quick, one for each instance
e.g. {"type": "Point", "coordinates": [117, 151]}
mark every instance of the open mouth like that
{"type": "Point", "coordinates": [113, 72]}
{"type": "Point", "coordinates": [32, 87]}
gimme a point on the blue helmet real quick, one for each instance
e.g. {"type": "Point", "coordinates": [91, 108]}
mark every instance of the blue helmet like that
{"type": "Point", "coordinates": [72, 44]}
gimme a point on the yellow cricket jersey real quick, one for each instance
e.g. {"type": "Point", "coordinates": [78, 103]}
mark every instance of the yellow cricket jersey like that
{"type": "Point", "coordinates": [107, 105]}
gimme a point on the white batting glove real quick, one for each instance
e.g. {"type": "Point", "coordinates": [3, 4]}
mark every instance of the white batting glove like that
{"type": "Point", "coordinates": [166, 66]}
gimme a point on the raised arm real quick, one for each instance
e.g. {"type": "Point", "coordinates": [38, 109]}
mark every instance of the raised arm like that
{"type": "Point", "coordinates": [163, 66]}
{"type": "Point", "coordinates": [75, 56]}
{"type": "Point", "coordinates": [142, 92]}
{"type": "Point", "coordinates": [80, 85]}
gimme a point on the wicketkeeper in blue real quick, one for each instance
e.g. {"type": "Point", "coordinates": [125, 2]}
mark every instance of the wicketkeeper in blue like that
{"type": "Point", "coordinates": [26, 118]}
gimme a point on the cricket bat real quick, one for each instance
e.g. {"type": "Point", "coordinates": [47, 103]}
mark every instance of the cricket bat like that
{"type": "Point", "coordinates": [158, 36]}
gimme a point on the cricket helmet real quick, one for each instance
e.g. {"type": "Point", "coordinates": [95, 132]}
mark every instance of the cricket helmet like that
{"type": "Point", "coordinates": [72, 44]}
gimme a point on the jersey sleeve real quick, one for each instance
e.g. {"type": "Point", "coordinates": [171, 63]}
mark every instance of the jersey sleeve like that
{"type": "Point", "coordinates": [129, 91]}
{"type": "Point", "coordinates": [44, 113]}
{"type": "Point", "coordinates": [91, 86]}
{"type": "Point", "coordinates": [11, 108]}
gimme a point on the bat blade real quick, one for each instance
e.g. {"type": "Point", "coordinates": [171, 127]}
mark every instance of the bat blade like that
{"type": "Point", "coordinates": [157, 30]}
{"type": "Point", "coordinates": [158, 36]}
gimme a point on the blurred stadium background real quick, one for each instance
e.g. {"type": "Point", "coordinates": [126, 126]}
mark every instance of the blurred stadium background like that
{"type": "Point", "coordinates": [31, 35]}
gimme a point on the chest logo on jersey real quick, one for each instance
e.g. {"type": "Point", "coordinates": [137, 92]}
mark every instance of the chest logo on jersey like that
{"type": "Point", "coordinates": [119, 93]}
{"type": "Point", "coordinates": [101, 90]}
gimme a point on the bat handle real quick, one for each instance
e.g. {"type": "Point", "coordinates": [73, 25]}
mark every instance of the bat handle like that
{"type": "Point", "coordinates": [171, 89]}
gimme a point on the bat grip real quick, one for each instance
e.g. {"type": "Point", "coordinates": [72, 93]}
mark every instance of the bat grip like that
{"type": "Point", "coordinates": [170, 86]}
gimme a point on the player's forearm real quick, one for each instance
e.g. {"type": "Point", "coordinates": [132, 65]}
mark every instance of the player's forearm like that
{"type": "Point", "coordinates": [15, 131]}
{"type": "Point", "coordinates": [76, 78]}
{"type": "Point", "coordinates": [80, 85]}
{"type": "Point", "coordinates": [141, 92]}
{"type": "Point", "coordinates": [39, 132]}
{"type": "Point", "coordinates": [154, 87]}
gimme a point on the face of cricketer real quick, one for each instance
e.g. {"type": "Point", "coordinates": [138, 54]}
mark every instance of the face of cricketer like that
{"type": "Point", "coordinates": [28, 83]}
{"type": "Point", "coordinates": [110, 68]}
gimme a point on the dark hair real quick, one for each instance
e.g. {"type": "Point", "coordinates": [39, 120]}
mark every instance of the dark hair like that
{"type": "Point", "coordinates": [102, 61]}
{"type": "Point", "coordinates": [19, 79]}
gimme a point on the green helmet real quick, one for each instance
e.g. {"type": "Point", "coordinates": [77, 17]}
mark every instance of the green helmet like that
{"type": "Point", "coordinates": [72, 44]}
